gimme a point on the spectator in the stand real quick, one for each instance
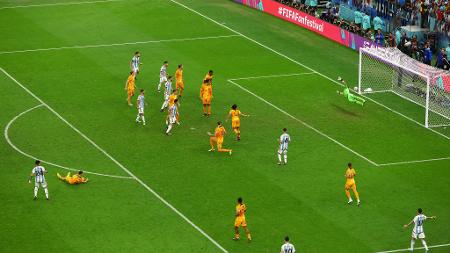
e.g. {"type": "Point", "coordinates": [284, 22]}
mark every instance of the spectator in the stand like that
{"type": "Point", "coordinates": [414, 46]}
{"type": "Point", "coordinates": [427, 55]}
{"type": "Point", "coordinates": [447, 49]}
{"type": "Point", "coordinates": [403, 46]}
{"type": "Point", "coordinates": [379, 38]}
{"type": "Point", "coordinates": [391, 41]}
{"type": "Point", "coordinates": [366, 22]}
{"type": "Point", "coordinates": [440, 59]}
{"type": "Point", "coordinates": [369, 35]}
{"type": "Point", "coordinates": [398, 36]}
{"type": "Point", "coordinates": [377, 23]}
{"type": "Point", "coordinates": [358, 18]}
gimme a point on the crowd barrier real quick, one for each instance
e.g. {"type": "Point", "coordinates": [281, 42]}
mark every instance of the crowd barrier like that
{"type": "Point", "coordinates": [309, 22]}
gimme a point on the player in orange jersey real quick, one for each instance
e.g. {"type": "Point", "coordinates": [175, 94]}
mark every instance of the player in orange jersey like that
{"type": "Point", "coordinates": [179, 80]}
{"type": "Point", "coordinates": [235, 120]}
{"type": "Point", "coordinates": [240, 220]}
{"type": "Point", "coordinates": [350, 174]}
{"type": "Point", "coordinates": [75, 179]}
{"type": "Point", "coordinates": [217, 138]}
{"type": "Point", "coordinates": [130, 86]}
{"type": "Point", "coordinates": [206, 96]}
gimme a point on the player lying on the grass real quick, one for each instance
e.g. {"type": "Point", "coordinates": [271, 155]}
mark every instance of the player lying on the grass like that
{"type": "Point", "coordinates": [350, 97]}
{"type": "Point", "coordinates": [38, 172]}
{"type": "Point", "coordinates": [235, 120]}
{"type": "Point", "coordinates": [163, 75]}
{"type": "Point", "coordinates": [135, 62]}
{"type": "Point", "coordinates": [217, 138]}
{"type": "Point", "coordinates": [167, 93]}
{"type": "Point", "coordinates": [172, 117]}
{"type": "Point", "coordinates": [240, 220]}
{"type": "Point", "coordinates": [284, 141]}
{"type": "Point", "coordinates": [287, 247]}
{"type": "Point", "coordinates": [206, 96]}
{"type": "Point", "coordinates": [140, 104]}
{"type": "Point", "coordinates": [418, 229]}
{"type": "Point", "coordinates": [130, 86]}
{"type": "Point", "coordinates": [75, 179]}
{"type": "Point", "coordinates": [350, 183]}
{"type": "Point", "coordinates": [179, 80]}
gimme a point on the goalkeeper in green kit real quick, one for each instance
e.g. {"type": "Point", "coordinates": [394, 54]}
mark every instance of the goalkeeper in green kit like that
{"type": "Point", "coordinates": [351, 97]}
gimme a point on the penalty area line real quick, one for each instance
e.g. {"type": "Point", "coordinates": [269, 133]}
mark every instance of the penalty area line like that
{"type": "Point", "coordinates": [120, 165]}
{"type": "Point", "coordinates": [120, 44]}
{"type": "Point", "coordinates": [415, 161]}
{"type": "Point", "coordinates": [304, 123]}
{"type": "Point", "coordinates": [408, 249]}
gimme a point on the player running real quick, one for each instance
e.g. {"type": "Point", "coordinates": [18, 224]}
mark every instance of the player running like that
{"type": "Point", "coordinates": [172, 117]}
{"type": "Point", "coordinates": [75, 179]}
{"type": "Point", "coordinates": [163, 75]}
{"type": "Point", "coordinates": [218, 137]}
{"type": "Point", "coordinates": [284, 141]}
{"type": "Point", "coordinates": [240, 220]}
{"type": "Point", "coordinates": [167, 93]}
{"type": "Point", "coordinates": [351, 97]}
{"type": "Point", "coordinates": [418, 229]}
{"type": "Point", "coordinates": [130, 86]}
{"type": "Point", "coordinates": [135, 62]}
{"type": "Point", "coordinates": [235, 120]}
{"type": "Point", "coordinates": [206, 97]}
{"type": "Point", "coordinates": [350, 174]}
{"type": "Point", "coordinates": [179, 80]}
{"type": "Point", "coordinates": [287, 247]}
{"type": "Point", "coordinates": [140, 106]}
{"type": "Point", "coordinates": [38, 172]}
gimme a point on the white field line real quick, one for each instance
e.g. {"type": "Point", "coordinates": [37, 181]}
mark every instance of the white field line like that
{"type": "Point", "coordinates": [6, 134]}
{"type": "Point", "coordinates": [148, 188]}
{"type": "Point", "coordinates": [299, 63]}
{"type": "Point", "coordinates": [58, 4]}
{"type": "Point", "coordinates": [119, 44]}
{"type": "Point", "coordinates": [305, 124]}
{"type": "Point", "coordinates": [408, 249]}
{"type": "Point", "coordinates": [271, 76]}
{"type": "Point", "coordinates": [415, 161]}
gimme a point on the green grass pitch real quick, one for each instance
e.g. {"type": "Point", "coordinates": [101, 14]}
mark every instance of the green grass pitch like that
{"type": "Point", "coordinates": [82, 82]}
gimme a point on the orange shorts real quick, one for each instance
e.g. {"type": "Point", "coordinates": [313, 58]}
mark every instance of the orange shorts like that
{"type": "Point", "coordinates": [180, 85]}
{"type": "Point", "coordinates": [206, 100]}
{"type": "Point", "coordinates": [240, 221]}
{"type": "Point", "coordinates": [235, 123]}
{"type": "Point", "coordinates": [130, 92]}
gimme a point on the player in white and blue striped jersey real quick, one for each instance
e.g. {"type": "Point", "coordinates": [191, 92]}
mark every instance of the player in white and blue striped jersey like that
{"type": "Point", "coordinates": [418, 232]}
{"type": "Point", "coordinates": [172, 117]}
{"type": "Point", "coordinates": [38, 173]}
{"type": "Point", "coordinates": [167, 93]}
{"type": "Point", "coordinates": [135, 62]}
{"type": "Point", "coordinates": [287, 247]}
{"type": "Point", "coordinates": [163, 75]}
{"type": "Point", "coordinates": [140, 106]}
{"type": "Point", "coordinates": [284, 141]}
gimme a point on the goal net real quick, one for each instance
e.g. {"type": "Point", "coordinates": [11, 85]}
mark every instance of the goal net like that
{"type": "Point", "coordinates": [388, 70]}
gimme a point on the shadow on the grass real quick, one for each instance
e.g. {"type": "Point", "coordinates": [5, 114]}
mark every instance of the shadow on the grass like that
{"type": "Point", "coordinates": [345, 111]}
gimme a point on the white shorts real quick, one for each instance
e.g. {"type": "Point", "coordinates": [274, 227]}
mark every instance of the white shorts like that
{"type": "Point", "coordinates": [162, 79]}
{"type": "Point", "coordinates": [136, 70]}
{"type": "Point", "coordinates": [44, 184]}
{"type": "Point", "coordinates": [172, 120]}
{"type": "Point", "coordinates": [281, 151]}
{"type": "Point", "coordinates": [420, 235]}
{"type": "Point", "coordinates": [141, 110]}
{"type": "Point", "coordinates": [166, 97]}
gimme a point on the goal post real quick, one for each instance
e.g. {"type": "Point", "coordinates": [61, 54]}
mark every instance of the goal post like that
{"type": "Point", "coordinates": [388, 70]}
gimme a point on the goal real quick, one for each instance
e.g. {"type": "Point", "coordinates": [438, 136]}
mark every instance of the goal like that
{"type": "Point", "coordinates": [389, 71]}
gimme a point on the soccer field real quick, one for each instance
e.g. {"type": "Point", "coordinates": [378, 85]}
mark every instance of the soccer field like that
{"type": "Point", "coordinates": [63, 66]}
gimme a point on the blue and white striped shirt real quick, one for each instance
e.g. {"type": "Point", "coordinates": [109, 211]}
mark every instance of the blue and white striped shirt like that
{"type": "Point", "coordinates": [39, 171]}
{"type": "Point", "coordinates": [141, 101]}
{"type": "Point", "coordinates": [168, 88]}
{"type": "Point", "coordinates": [173, 111]}
{"type": "Point", "coordinates": [284, 141]}
{"type": "Point", "coordinates": [418, 223]}
{"type": "Point", "coordinates": [287, 248]}
{"type": "Point", "coordinates": [135, 61]}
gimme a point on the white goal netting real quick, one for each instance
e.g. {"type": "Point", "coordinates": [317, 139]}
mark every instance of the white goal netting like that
{"type": "Point", "coordinates": [388, 70]}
